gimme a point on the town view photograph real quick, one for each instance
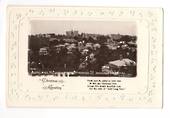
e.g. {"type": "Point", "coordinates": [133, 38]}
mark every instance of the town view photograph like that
{"type": "Point", "coordinates": [82, 48]}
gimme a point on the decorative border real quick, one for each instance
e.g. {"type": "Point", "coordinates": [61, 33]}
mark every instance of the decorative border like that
{"type": "Point", "coordinates": [16, 15]}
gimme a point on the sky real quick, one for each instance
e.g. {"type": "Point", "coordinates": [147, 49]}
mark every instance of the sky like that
{"type": "Point", "coordinates": [96, 27]}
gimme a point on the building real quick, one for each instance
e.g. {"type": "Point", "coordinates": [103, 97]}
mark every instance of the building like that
{"type": "Point", "coordinates": [87, 35]}
{"type": "Point", "coordinates": [115, 36]}
{"type": "Point", "coordinates": [72, 33]}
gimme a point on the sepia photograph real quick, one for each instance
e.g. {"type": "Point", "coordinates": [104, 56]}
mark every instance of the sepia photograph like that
{"type": "Point", "coordinates": [82, 48]}
{"type": "Point", "coordinates": [85, 57]}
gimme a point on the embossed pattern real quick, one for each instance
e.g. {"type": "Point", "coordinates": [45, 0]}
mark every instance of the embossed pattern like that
{"type": "Point", "coordinates": [17, 16]}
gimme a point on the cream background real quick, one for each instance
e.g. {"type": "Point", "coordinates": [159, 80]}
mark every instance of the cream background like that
{"type": "Point", "coordinates": [139, 90]}
{"type": "Point", "coordinates": [6, 112]}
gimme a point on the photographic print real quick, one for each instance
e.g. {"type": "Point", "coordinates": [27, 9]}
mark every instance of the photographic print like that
{"type": "Point", "coordinates": [83, 48]}
{"type": "Point", "coordinates": [92, 57]}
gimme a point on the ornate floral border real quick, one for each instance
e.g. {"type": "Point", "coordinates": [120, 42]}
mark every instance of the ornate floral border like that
{"type": "Point", "coordinates": [151, 98]}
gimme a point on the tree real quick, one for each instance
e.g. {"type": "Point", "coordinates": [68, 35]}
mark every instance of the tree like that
{"type": "Point", "coordinates": [102, 56]}
{"type": "Point", "coordinates": [101, 39]}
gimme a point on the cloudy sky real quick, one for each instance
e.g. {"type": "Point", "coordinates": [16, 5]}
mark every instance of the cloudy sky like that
{"type": "Point", "coordinates": [96, 27]}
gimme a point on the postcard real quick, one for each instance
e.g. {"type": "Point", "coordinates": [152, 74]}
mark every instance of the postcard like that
{"type": "Point", "coordinates": [94, 57]}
